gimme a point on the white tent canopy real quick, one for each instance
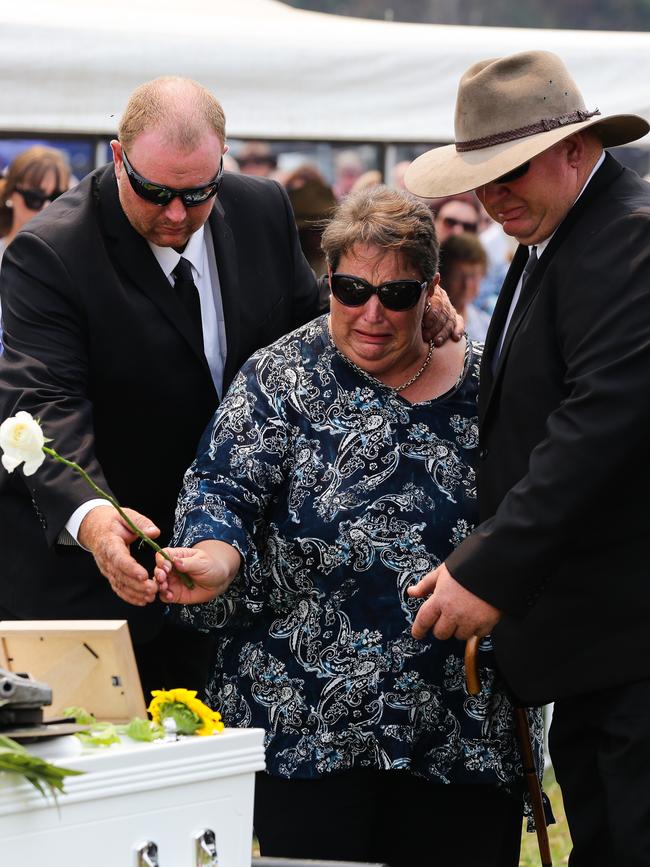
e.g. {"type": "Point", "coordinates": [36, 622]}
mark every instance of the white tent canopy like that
{"type": "Point", "coordinates": [67, 66]}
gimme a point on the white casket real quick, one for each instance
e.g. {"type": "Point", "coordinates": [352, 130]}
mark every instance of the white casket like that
{"type": "Point", "coordinates": [167, 793]}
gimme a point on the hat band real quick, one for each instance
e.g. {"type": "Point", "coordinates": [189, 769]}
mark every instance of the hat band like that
{"type": "Point", "coordinates": [544, 125]}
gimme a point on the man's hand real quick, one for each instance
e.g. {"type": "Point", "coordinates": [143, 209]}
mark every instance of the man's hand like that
{"type": "Point", "coordinates": [451, 610]}
{"type": "Point", "coordinates": [107, 537]}
{"type": "Point", "coordinates": [441, 321]}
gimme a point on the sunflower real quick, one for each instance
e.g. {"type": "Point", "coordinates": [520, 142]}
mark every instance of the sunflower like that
{"type": "Point", "coordinates": [191, 716]}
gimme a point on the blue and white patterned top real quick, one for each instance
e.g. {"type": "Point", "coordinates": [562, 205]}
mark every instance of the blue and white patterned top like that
{"type": "Point", "coordinates": [339, 494]}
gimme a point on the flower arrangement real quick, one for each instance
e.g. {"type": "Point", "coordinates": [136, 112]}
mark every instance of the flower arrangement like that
{"type": "Point", "coordinates": [22, 441]}
{"type": "Point", "coordinates": [191, 716]}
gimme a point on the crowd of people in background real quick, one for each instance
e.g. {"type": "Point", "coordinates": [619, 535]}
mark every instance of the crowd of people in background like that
{"type": "Point", "coordinates": [39, 174]}
{"type": "Point", "coordinates": [484, 249]}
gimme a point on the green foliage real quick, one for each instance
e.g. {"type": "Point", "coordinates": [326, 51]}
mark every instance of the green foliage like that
{"type": "Point", "coordinates": [100, 735]}
{"type": "Point", "coordinates": [44, 776]}
{"type": "Point", "coordinates": [186, 721]}
{"type": "Point", "coordinates": [80, 715]}
{"type": "Point", "coordinates": [143, 730]}
{"type": "Point", "coordinates": [103, 734]}
{"type": "Point", "coordinates": [558, 834]}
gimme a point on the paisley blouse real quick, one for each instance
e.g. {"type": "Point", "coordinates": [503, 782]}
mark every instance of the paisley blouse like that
{"type": "Point", "coordinates": [339, 495]}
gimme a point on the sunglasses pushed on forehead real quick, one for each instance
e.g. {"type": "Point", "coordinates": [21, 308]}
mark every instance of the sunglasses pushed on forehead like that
{"type": "Point", "coordinates": [160, 195]}
{"type": "Point", "coordinates": [354, 291]}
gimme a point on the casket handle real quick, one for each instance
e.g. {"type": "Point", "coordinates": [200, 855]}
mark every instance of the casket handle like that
{"type": "Point", "coordinates": [206, 848]}
{"type": "Point", "coordinates": [146, 854]}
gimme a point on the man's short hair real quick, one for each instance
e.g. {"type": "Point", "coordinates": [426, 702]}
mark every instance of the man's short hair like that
{"type": "Point", "coordinates": [183, 108]}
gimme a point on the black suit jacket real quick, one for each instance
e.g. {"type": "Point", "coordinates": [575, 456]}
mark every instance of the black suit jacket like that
{"type": "Point", "coordinates": [564, 475]}
{"type": "Point", "coordinates": [100, 348]}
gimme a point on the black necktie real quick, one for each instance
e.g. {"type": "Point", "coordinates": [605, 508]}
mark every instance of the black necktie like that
{"type": "Point", "coordinates": [530, 264]}
{"type": "Point", "coordinates": [189, 295]}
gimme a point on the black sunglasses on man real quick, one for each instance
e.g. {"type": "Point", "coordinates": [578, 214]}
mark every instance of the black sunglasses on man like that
{"type": "Point", "coordinates": [160, 195]}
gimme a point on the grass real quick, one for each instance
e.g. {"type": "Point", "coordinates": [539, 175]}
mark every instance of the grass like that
{"type": "Point", "coordinates": [558, 834]}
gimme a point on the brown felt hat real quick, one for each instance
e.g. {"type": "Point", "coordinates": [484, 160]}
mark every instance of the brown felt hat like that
{"type": "Point", "coordinates": [509, 110]}
{"type": "Point", "coordinates": [312, 203]}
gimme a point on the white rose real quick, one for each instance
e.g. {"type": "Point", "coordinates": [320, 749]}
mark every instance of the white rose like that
{"type": "Point", "coordinates": [21, 439]}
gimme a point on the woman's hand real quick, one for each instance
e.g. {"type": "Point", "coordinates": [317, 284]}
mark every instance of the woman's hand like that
{"type": "Point", "coordinates": [211, 565]}
{"type": "Point", "coordinates": [441, 321]}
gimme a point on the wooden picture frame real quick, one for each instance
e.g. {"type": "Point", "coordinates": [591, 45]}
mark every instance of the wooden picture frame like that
{"type": "Point", "coordinates": [87, 663]}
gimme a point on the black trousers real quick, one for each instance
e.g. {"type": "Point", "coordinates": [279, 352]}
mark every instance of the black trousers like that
{"type": "Point", "coordinates": [600, 746]}
{"type": "Point", "coordinates": [388, 817]}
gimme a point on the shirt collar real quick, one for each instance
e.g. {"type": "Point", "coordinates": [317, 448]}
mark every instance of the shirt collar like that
{"type": "Point", "coordinates": [168, 258]}
{"type": "Point", "coordinates": [544, 244]}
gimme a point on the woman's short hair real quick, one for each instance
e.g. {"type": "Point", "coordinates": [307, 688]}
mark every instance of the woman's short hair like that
{"type": "Point", "coordinates": [386, 218]}
{"type": "Point", "coordinates": [28, 170]}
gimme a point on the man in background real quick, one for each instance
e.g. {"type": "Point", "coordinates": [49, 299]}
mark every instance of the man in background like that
{"type": "Point", "coordinates": [456, 216]}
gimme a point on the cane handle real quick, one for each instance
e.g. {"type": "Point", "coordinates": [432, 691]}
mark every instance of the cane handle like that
{"type": "Point", "coordinates": [471, 666]}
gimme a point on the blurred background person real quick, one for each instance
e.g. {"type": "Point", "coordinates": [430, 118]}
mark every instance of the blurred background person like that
{"type": "Point", "coordinates": [32, 180]}
{"type": "Point", "coordinates": [455, 216]}
{"type": "Point", "coordinates": [499, 248]}
{"type": "Point", "coordinates": [367, 180]}
{"type": "Point", "coordinates": [313, 202]}
{"type": "Point", "coordinates": [464, 214]}
{"type": "Point", "coordinates": [256, 158]}
{"type": "Point", "coordinates": [397, 175]}
{"type": "Point", "coordinates": [348, 166]}
{"type": "Point", "coordinates": [463, 263]}
{"type": "Point", "coordinates": [302, 174]}
{"type": "Point", "coordinates": [230, 164]}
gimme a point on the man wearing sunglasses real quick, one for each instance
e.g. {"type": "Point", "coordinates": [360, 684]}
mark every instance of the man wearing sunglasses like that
{"type": "Point", "coordinates": [123, 365]}
{"type": "Point", "coordinates": [559, 564]}
{"type": "Point", "coordinates": [456, 217]}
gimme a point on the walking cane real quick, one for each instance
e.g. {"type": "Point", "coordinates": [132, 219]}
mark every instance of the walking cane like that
{"type": "Point", "coordinates": [527, 758]}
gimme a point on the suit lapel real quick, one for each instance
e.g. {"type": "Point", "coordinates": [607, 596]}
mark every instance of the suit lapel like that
{"type": "Point", "coordinates": [226, 256]}
{"type": "Point", "coordinates": [132, 256]}
{"type": "Point", "coordinates": [605, 175]}
{"type": "Point", "coordinates": [497, 324]}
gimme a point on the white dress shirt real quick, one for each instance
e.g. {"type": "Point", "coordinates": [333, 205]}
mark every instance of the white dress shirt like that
{"type": "Point", "coordinates": [199, 251]}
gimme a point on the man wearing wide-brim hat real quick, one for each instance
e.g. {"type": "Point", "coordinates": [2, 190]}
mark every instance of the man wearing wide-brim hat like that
{"type": "Point", "coordinates": [561, 560]}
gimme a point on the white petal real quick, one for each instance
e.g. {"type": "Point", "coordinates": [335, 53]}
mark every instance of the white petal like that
{"type": "Point", "coordinates": [32, 463]}
{"type": "Point", "coordinates": [10, 462]}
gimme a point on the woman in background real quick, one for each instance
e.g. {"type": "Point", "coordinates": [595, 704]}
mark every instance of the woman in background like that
{"type": "Point", "coordinates": [34, 178]}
